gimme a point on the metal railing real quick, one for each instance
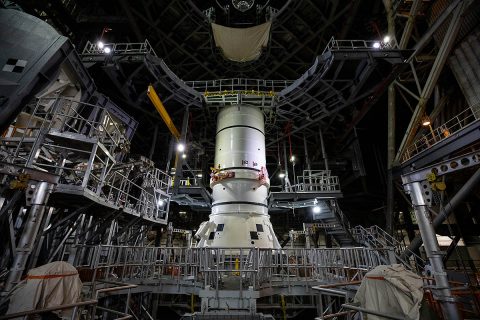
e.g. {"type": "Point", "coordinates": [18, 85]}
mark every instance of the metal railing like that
{"type": "Point", "coordinates": [119, 190]}
{"type": "Point", "coordinates": [68, 116]}
{"type": "Point", "coordinates": [77, 308]}
{"type": "Point", "coordinates": [377, 238]}
{"type": "Point", "coordinates": [118, 48]}
{"type": "Point", "coordinates": [316, 181]}
{"type": "Point", "coordinates": [202, 267]}
{"type": "Point", "coordinates": [191, 178]}
{"type": "Point", "coordinates": [81, 143]}
{"type": "Point", "coordinates": [88, 308]}
{"type": "Point", "coordinates": [226, 86]}
{"type": "Point", "coordinates": [334, 44]}
{"type": "Point", "coordinates": [435, 136]}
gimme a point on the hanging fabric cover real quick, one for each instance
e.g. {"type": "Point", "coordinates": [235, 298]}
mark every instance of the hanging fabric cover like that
{"type": "Point", "coordinates": [241, 44]}
{"type": "Point", "coordinates": [53, 284]}
{"type": "Point", "coordinates": [392, 290]}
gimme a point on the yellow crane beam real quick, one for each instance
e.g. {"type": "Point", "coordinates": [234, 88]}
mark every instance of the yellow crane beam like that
{"type": "Point", "coordinates": [152, 94]}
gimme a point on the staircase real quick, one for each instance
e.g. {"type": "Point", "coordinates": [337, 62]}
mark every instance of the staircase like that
{"type": "Point", "coordinates": [334, 222]}
{"type": "Point", "coordinates": [389, 248]}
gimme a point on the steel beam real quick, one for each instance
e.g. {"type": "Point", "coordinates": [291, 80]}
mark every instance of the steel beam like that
{"type": "Point", "coordinates": [441, 289]}
{"type": "Point", "coordinates": [152, 94]}
{"type": "Point", "coordinates": [437, 68]}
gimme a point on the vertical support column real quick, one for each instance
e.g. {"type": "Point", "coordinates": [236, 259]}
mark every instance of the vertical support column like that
{"type": "Point", "coordinates": [307, 159]}
{"type": "Point", "coordinates": [179, 162]}
{"type": "Point", "coordinates": [324, 153]}
{"type": "Point", "coordinates": [169, 235]}
{"type": "Point", "coordinates": [391, 128]}
{"type": "Point", "coordinates": [171, 147]}
{"type": "Point", "coordinates": [286, 180]}
{"type": "Point", "coordinates": [390, 159]}
{"type": "Point", "coordinates": [91, 160]}
{"type": "Point", "coordinates": [40, 192]}
{"type": "Point", "coordinates": [154, 142]}
{"type": "Point", "coordinates": [441, 290]}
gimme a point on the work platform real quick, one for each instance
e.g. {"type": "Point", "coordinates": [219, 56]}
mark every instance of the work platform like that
{"type": "Point", "coordinates": [84, 145]}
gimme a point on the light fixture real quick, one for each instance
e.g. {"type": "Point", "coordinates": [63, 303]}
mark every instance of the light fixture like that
{"type": "Point", "coordinates": [426, 121]}
{"type": "Point", "coordinates": [100, 45]}
{"type": "Point", "coordinates": [316, 209]}
{"type": "Point", "coordinates": [107, 50]}
{"type": "Point", "coordinates": [386, 39]}
{"type": "Point", "coordinates": [184, 156]}
{"type": "Point", "coordinates": [199, 175]}
{"type": "Point", "coordinates": [281, 175]}
{"type": "Point", "coordinates": [292, 158]}
{"type": "Point", "coordinates": [243, 5]}
{"type": "Point", "coordinates": [180, 147]}
{"type": "Point", "coordinates": [376, 45]}
{"type": "Point", "coordinates": [160, 202]}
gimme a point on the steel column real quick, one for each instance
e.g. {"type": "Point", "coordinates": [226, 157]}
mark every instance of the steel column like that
{"type": "Point", "coordinates": [441, 289]}
{"type": "Point", "coordinates": [41, 192]}
{"type": "Point", "coordinates": [180, 160]}
{"type": "Point", "coordinates": [322, 145]}
{"type": "Point", "coordinates": [389, 216]}
{"type": "Point", "coordinates": [447, 210]}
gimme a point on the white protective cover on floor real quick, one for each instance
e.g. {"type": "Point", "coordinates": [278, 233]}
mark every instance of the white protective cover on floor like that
{"type": "Point", "coordinates": [241, 44]}
{"type": "Point", "coordinates": [50, 285]}
{"type": "Point", "coordinates": [393, 290]}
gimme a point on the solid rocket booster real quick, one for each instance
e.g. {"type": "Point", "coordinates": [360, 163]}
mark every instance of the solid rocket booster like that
{"type": "Point", "coordinates": [240, 183]}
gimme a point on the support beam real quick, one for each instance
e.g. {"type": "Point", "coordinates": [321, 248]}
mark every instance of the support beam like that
{"type": "Point", "coordinates": [437, 68]}
{"type": "Point", "coordinates": [441, 290]}
{"type": "Point", "coordinates": [152, 94]}
{"type": "Point", "coordinates": [179, 158]}
{"type": "Point", "coordinates": [391, 105]}
{"type": "Point", "coordinates": [407, 31]}
{"type": "Point", "coordinates": [446, 211]}
{"type": "Point", "coordinates": [154, 142]}
{"type": "Point", "coordinates": [40, 192]}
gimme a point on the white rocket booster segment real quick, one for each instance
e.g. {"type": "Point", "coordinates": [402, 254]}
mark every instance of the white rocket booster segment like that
{"type": "Point", "coordinates": [240, 184]}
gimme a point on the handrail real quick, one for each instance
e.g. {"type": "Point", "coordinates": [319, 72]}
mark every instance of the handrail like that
{"type": "Point", "coordinates": [61, 307]}
{"type": "Point", "coordinates": [123, 287]}
{"type": "Point", "coordinates": [379, 238]}
{"type": "Point", "coordinates": [462, 120]}
{"type": "Point", "coordinates": [258, 267]}
{"type": "Point", "coordinates": [374, 312]}
{"type": "Point", "coordinates": [118, 48]}
{"type": "Point", "coordinates": [100, 139]}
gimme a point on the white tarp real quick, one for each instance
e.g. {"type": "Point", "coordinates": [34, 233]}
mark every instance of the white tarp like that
{"type": "Point", "coordinates": [241, 44]}
{"type": "Point", "coordinates": [393, 290]}
{"type": "Point", "coordinates": [50, 285]}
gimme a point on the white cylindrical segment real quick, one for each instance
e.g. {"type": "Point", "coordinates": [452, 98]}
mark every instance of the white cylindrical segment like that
{"type": "Point", "coordinates": [240, 183]}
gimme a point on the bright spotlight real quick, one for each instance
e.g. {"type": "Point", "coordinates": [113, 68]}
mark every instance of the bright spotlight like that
{"type": "Point", "coordinates": [316, 209]}
{"type": "Point", "coordinates": [386, 39]}
{"type": "Point", "coordinates": [426, 121]}
{"type": "Point", "coordinates": [376, 45]}
{"type": "Point", "coordinates": [100, 45]}
{"type": "Point", "coordinates": [107, 50]}
{"type": "Point", "coordinates": [180, 147]}
{"type": "Point", "coordinates": [160, 202]}
{"type": "Point", "coordinates": [292, 158]}
{"type": "Point", "coordinates": [184, 156]}
{"type": "Point", "coordinates": [281, 175]}
{"type": "Point", "coordinates": [199, 175]}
